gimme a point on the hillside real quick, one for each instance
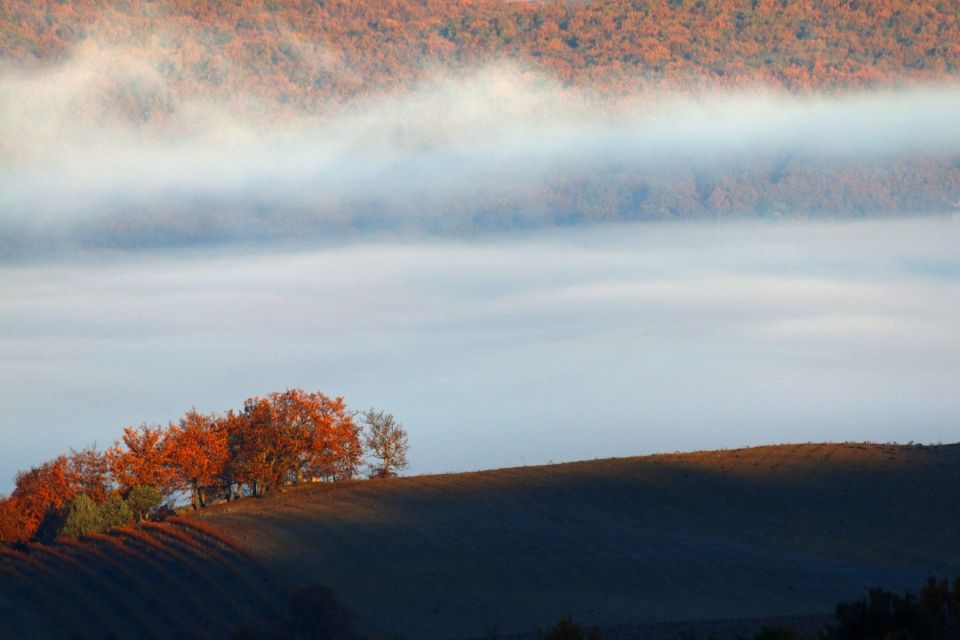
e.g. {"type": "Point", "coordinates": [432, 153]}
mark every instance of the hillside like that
{"type": "Point", "coordinates": [768, 531]}
{"type": "Point", "coordinates": [746, 533]}
{"type": "Point", "coordinates": [300, 52]}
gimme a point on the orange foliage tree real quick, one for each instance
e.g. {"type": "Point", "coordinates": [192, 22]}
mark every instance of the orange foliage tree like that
{"type": "Point", "coordinates": [143, 459]}
{"type": "Point", "coordinates": [12, 524]}
{"type": "Point", "coordinates": [285, 437]}
{"type": "Point", "coordinates": [89, 472]}
{"type": "Point", "coordinates": [40, 494]}
{"type": "Point", "coordinates": [197, 449]}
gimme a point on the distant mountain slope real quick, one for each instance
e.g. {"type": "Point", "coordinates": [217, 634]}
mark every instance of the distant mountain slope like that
{"type": "Point", "coordinates": [296, 51]}
{"type": "Point", "coordinates": [782, 530]}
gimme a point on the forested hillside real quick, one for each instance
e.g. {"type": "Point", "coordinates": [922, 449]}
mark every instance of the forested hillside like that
{"type": "Point", "coordinates": [305, 51]}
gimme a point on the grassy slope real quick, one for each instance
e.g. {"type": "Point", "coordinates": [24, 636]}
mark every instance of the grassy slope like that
{"type": "Point", "coordinates": [765, 531]}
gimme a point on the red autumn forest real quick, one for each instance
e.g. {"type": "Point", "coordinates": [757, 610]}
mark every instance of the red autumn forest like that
{"type": "Point", "coordinates": [303, 51]}
{"type": "Point", "coordinates": [280, 438]}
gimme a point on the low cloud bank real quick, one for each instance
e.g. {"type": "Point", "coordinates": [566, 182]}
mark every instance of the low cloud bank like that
{"type": "Point", "coordinates": [78, 162]}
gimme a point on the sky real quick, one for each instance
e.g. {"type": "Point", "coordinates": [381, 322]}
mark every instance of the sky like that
{"type": "Point", "coordinates": [506, 349]}
{"type": "Point", "coordinates": [495, 348]}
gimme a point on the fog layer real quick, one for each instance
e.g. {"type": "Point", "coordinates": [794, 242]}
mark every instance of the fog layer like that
{"type": "Point", "coordinates": [84, 151]}
{"type": "Point", "coordinates": [602, 341]}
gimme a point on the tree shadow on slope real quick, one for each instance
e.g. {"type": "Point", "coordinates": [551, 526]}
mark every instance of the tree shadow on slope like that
{"type": "Point", "coordinates": [314, 613]}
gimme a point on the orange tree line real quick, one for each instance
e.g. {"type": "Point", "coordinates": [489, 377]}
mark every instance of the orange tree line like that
{"type": "Point", "coordinates": [298, 51]}
{"type": "Point", "coordinates": [280, 438]}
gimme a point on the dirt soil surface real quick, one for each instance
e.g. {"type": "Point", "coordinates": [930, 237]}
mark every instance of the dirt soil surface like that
{"type": "Point", "coordinates": [625, 543]}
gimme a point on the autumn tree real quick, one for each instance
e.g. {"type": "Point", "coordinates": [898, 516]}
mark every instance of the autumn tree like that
{"type": "Point", "coordinates": [252, 450]}
{"type": "Point", "coordinates": [386, 439]}
{"type": "Point", "coordinates": [332, 447]}
{"type": "Point", "coordinates": [234, 472]}
{"type": "Point", "coordinates": [41, 495]}
{"type": "Point", "coordinates": [142, 457]}
{"type": "Point", "coordinates": [197, 448]}
{"type": "Point", "coordinates": [11, 521]}
{"type": "Point", "coordinates": [89, 472]}
{"type": "Point", "coordinates": [286, 437]}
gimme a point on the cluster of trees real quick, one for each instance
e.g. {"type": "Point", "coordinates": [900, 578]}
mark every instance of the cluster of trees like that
{"type": "Point", "coordinates": [882, 615]}
{"type": "Point", "coordinates": [933, 615]}
{"type": "Point", "coordinates": [274, 440]}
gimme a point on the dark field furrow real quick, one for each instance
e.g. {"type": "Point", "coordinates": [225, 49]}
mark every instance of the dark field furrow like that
{"type": "Point", "coordinates": [182, 579]}
{"type": "Point", "coordinates": [112, 560]}
{"type": "Point", "coordinates": [228, 608]}
{"type": "Point", "coordinates": [99, 590]}
{"type": "Point", "coordinates": [76, 608]}
{"type": "Point", "coordinates": [253, 593]}
{"type": "Point", "coordinates": [27, 602]}
{"type": "Point", "coordinates": [158, 582]}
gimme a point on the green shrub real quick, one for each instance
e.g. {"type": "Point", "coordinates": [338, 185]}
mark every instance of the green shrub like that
{"type": "Point", "coordinates": [83, 518]}
{"type": "Point", "coordinates": [116, 512]}
{"type": "Point", "coordinates": [143, 500]}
